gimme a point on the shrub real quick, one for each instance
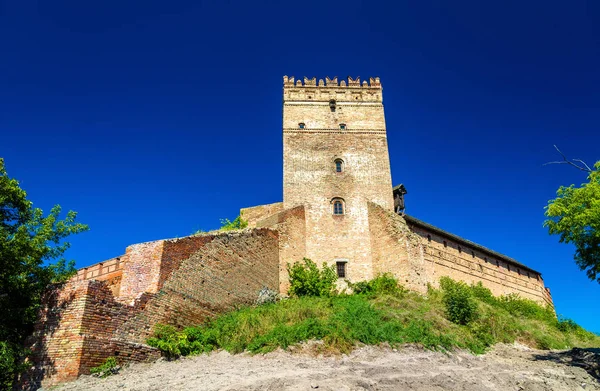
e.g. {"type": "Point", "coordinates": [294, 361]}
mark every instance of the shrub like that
{"type": "Point", "coordinates": [238, 223]}
{"type": "Point", "coordinates": [458, 300]}
{"type": "Point", "coordinates": [484, 294]}
{"type": "Point", "coordinates": [519, 306]}
{"type": "Point", "coordinates": [382, 284]}
{"type": "Point", "coordinates": [107, 368]}
{"type": "Point", "coordinates": [307, 280]}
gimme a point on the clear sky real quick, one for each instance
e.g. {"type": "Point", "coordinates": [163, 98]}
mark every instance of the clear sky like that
{"type": "Point", "coordinates": [154, 119]}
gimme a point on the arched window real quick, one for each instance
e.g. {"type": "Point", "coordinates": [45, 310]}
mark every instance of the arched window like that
{"type": "Point", "coordinates": [343, 126]}
{"type": "Point", "coordinates": [338, 206]}
{"type": "Point", "coordinates": [332, 105]}
{"type": "Point", "coordinates": [301, 125]}
{"type": "Point", "coordinates": [339, 165]}
{"type": "Point", "coordinates": [459, 249]}
{"type": "Point", "coordinates": [445, 244]}
{"type": "Point", "coordinates": [429, 238]}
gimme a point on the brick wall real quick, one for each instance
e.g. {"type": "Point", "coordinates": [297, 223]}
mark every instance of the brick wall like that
{"type": "Point", "coordinates": [417, 255]}
{"type": "Point", "coordinates": [75, 332]}
{"type": "Point", "coordinates": [256, 213]}
{"type": "Point", "coordinates": [396, 249]}
{"type": "Point", "coordinates": [291, 226]}
{"type": "Point", "coordinates": [229, 270]}
{"type": "Point", "coordinates": [456, 259]}
{"type": "Point", "coordinates": [182, 282]}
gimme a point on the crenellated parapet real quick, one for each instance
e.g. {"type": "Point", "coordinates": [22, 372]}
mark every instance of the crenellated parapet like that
{"type": "Point", "coordinates": [351, 90]}
{"type": "Point", "coordinates": [291, 82]}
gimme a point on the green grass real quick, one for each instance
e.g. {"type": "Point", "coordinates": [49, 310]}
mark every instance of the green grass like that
{"type": "Point", "coordinates": [381, 314]}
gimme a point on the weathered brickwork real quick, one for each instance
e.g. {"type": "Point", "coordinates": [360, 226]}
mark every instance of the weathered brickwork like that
{"type": "Point", "coordinates": [321, 124]}
{"type": "Point", "coordinates": [335, 150]}
{"type": "Point", "coordinates": [291, 225]}
{"type": "Point", "coordinates": [255, 214]}
{"type": "Point", "coordinates": [84, 321]}
{"type": "Point", "coordinates": [228, 271]}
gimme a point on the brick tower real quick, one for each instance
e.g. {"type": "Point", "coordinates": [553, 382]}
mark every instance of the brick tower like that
{"type": "Point", "coordinates": [336, 160]}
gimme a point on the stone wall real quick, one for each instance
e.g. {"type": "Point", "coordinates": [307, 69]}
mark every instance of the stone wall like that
{"type": "Point", "coordinates": [310, 176]}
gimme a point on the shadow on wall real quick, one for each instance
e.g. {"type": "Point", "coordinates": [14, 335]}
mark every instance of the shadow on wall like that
{"type": "Point", "coordinates": [54, 305]}
{"type": "Point", "coordinates": [588, 359]}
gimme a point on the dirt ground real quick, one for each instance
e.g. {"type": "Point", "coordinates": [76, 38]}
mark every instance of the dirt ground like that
{"type": "Point", "coordinates": [506, 367]}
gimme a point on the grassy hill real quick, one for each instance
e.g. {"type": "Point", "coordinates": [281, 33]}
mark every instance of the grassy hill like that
{"type": "Point", "coordinates": [379, 311]}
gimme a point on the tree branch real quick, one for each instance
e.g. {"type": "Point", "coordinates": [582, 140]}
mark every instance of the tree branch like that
{"type": "Point", "coordinates": [585, 167]}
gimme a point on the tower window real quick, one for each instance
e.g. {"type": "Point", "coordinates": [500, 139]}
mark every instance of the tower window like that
{"type": "Point", "coordinates": [301, 125]}
{"type": "Point", "coordinates": [339, 165]}
{"type": "Point", "coordinates": [459, 249]}
{"type": "Point", "coordinates": [338, 206]}
{"type": "Point", "coordinates": [341, 269]}
{"type": "Point", "coordinates": [343, 126]}
{"type": "Point", "coordinates": [332, 105]}
{"type": "Point", "coordinates": [429, 238]}
{"type": "Point", "coordinates": [445, 244]}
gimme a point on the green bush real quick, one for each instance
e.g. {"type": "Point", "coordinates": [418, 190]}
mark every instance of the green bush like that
{"type": "Point", "coordinates": [518, 306]}
{"type": "Point", "coordinates": [382, 284]}
{"type": "Point", "coordinates": [484, 294]}
{"type": "Point", "coordinates": [238, 223]}
{"type": "Point", "coordinates": [458, 300]}
{"type": "Point", "coordinates": [10, 363]}
{"type": "Point", "coordinates": [107, 368]}
{"type": "Point", "coordinates": [307, 280]}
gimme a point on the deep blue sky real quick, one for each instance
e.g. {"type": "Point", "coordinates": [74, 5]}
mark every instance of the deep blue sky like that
{"type": "Point", "coordinates": [153, 119]}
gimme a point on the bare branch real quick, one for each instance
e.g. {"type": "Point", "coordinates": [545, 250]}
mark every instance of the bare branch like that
{"type": "Point", "coordinates": [585, 167]}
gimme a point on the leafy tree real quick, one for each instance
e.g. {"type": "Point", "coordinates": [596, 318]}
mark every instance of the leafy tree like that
{"type": "Point", "coordinates": [575, 215]}
{"type": "Point", "coordinates": [29, 241]}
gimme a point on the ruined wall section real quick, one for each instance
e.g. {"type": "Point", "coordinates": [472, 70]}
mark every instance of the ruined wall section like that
{"type": "Point", "coordinates": [256, 213]}
{"type": "Point", "coordinates": [291, 226]}
{"type": "Point", "coordinates": [110, 271]}
{"type": "Point", "coordinates": [396, 249]}
{"type": "Point", "coordinates": [75, 333]}
{"type": "Point", "coordinates": [228, 271]}
{"type": "Point", "coordinates": [310, 176]}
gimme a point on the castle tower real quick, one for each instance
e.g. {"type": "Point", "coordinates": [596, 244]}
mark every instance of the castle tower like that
{"type": "Point", "coordinates": [336, 160]}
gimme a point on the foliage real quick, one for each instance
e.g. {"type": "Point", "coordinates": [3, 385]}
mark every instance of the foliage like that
{"type": "Point", "coordinates": [342, 321]}
{"type": "Point", "coordinates": [307, 280]}
{"type": "Point", "coordinates": [107, 368]}
{"type": "Point", "coordinates": [575, 215]}
{"type": "Point", "coordinates": [458, 300]}
{"type": "Point", "coordinates": [383, 284]}
{"type": "Point", "coordinates": [237, 223]}
{"type": "Point", "coordinates": [29, 241]}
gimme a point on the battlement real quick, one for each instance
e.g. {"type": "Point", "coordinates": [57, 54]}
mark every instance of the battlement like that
{"type": "Point", "coordinates": [290, 82]}
{"type": "Point", "coordinates": [308, 90]}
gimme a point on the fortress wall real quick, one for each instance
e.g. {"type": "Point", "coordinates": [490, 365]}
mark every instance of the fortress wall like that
{"type": "Point", "coordinates": [146, 266]}
{"type": "Point", "coordinates": [75, 333]}
{"type": "Point", "coordinates": [460, 261]}
{"type": "Point", "coordinates": [82, 322]}
{"type": "Point", "coordinates": [228, 271]}
{"type": "Point", "coordinates": [110, 271]}
{"type": "Point", "coordinates": [256, 213]}
{"type": "Point", "coordinates": [396, 249]}
{"type": "Point", "coordinates": [291, 225]}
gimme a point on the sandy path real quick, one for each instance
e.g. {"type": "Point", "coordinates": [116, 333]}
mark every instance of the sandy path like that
{"type": "Point", "coordinates": [368, 368]}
